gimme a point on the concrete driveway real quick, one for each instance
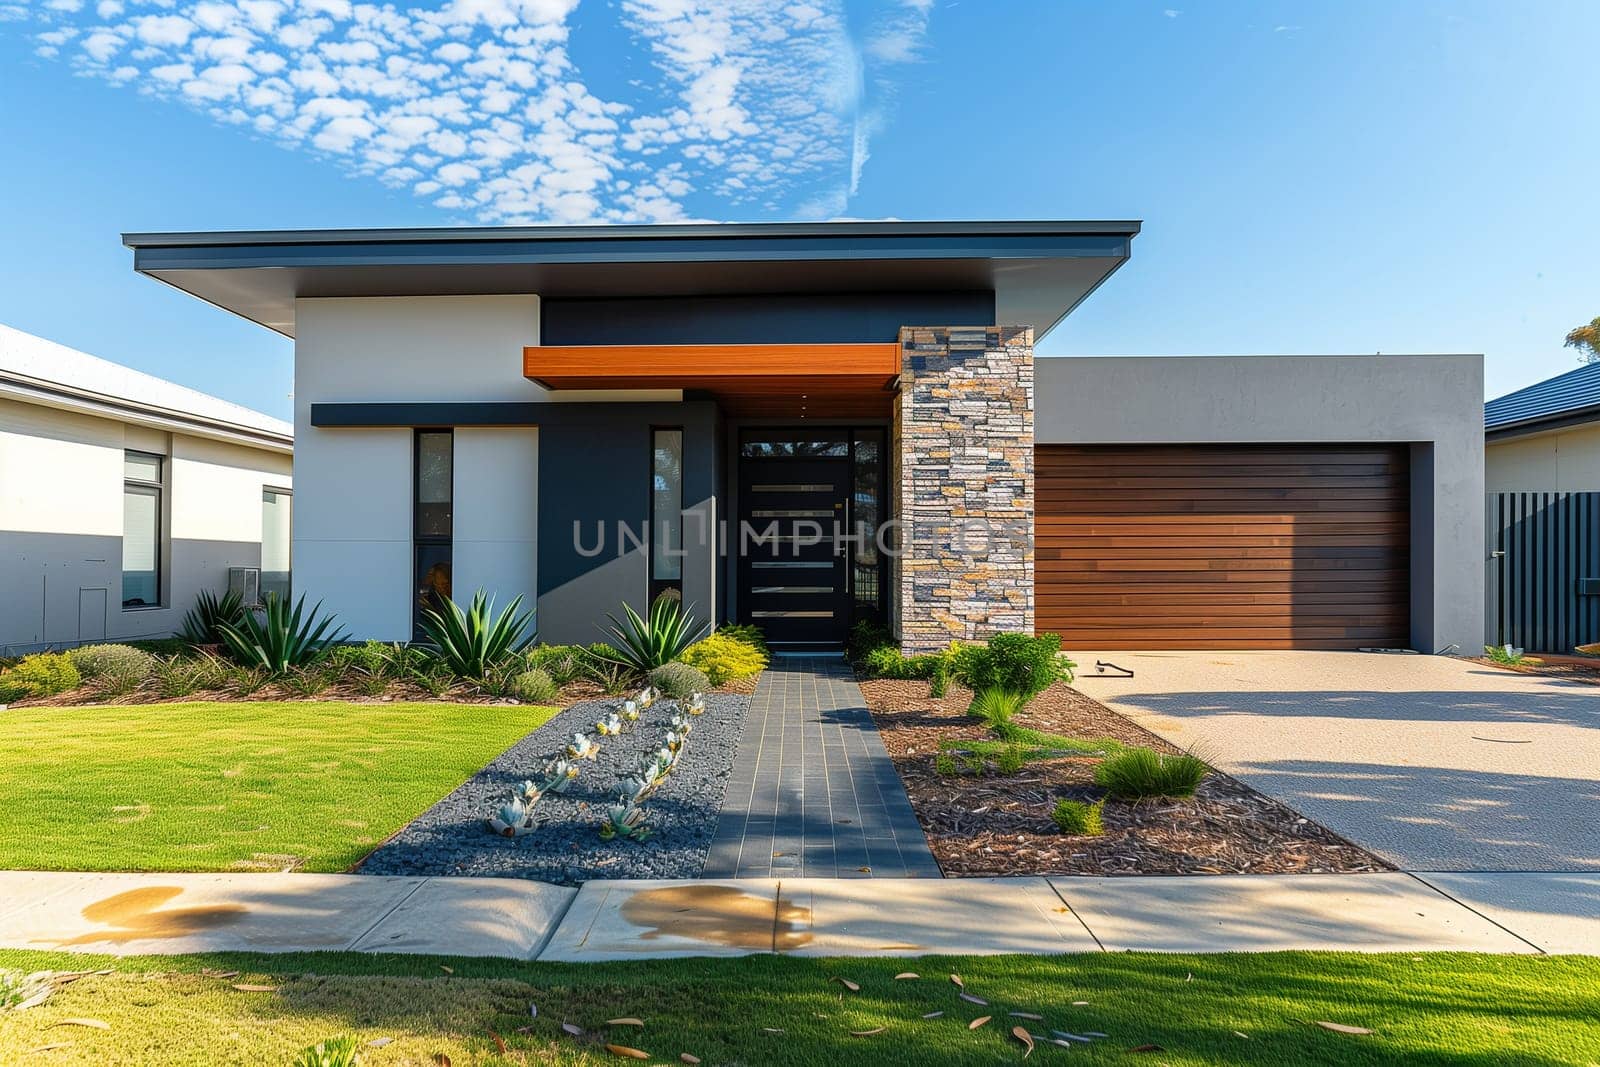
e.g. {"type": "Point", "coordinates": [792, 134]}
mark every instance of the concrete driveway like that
{"type": "Point", "coordinates": [1436, 764]}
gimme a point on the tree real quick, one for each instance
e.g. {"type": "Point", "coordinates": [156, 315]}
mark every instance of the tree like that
{"type": "Point", "coordinates": [1586, 339]}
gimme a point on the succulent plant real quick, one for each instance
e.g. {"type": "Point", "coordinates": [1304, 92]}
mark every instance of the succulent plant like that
{"type": "Point", "coordinates": [647, 697]}
{"type": "Point", "coordinates": [582, 746]}
{"type": "Point", "coordinates": [674, 742]}
{"type": "Point", "coordinates": [679, 723]}
{"type": "Point", "coordinates": [630, 711]}
{"type": "Point", "coordinates": [513, 818]}
{"type": "Point", "coordinates": [634, 788]}
{"type": "Point", "coordinates": [697, 704]}
{"type": "Point", "coordinates": [625, 820]}
{"type": "Point", "coordinates": [557, 775]}
{"type": "Point", "coordinates": [530, 791]}
{"type": "Point", "coordinates": [610, 726]}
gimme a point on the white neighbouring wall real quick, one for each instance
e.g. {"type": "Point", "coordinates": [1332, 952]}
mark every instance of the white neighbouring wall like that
{"type": "Point", "coordinates": [1556, 461]}
{"type": "Point", "coordinates": [61, 481]}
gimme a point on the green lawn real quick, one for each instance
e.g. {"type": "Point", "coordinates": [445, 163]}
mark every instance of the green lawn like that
{"type": "Point", "coordinates": [225, 786]}
{"type": "Point", "coordinates": [1237, 1009]}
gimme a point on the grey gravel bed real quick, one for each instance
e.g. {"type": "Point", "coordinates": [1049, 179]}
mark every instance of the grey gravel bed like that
{"type": "Point", "coordinates": [451, 838]}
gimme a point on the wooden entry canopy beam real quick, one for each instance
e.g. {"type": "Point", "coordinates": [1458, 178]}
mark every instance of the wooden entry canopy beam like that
{"type": "Point", "coordinates": [809, 380]}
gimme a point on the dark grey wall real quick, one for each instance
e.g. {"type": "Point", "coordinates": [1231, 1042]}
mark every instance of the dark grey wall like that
{"type": "Point", "coordinates": [594, 467]}
{"type": "Point", "coordinates": [824, 318]}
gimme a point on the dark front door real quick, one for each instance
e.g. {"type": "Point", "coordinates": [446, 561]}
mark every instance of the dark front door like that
{"type": "Point", "coordinates": [794, 515]}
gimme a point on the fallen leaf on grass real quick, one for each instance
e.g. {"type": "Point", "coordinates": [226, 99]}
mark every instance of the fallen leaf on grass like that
{"type": "Point", "coordinates": [50, 1048]}
{"type": "Point", "coordinates": [934, 1015]}
{"type": "Point", "coordinates": [1343, 1028]}
{"type": "Point", "coordinates": [771, 1030]}
{"type": "Point", "coordinates": [35, 1000]}
{"type": "Point", "coordinates": [625, 1021]}
{"type": "Point", "coordinates": [441, 1059]}
{"type": "Point", "coordinates": [447, 970]}
{"type": "Point", "coordinates": [1241, 1033]}
{"type": "Point", "coordinates": [98, 1024]}
{"type": "Point", "coordinates": [627, 1053]}
{"type": "Point", "coordinates": [868, 1033]}
{"type": "Point", "coordinates": [979, 1021]}
{"type": "Point", "coordinates": [1147, 1048]}
{"type": "Point", "coordinates": [1025, 1015]}
{"type": "Point", "coordinates": [904, 975]}
{"type": "Point", "coordinates": [573, 1028]}
{"type": "Point", "coordinates": [1022, 1035]}
{"type": "Point", "coordinates": [970, 999]}
{"type": "Point", "coordinates": [533, 1010]}
{"type": "Point", "coordinates": [213, 973]}
{"type": "Point", "coordinates": [852, 986]}
{"type": "Point", "coordinates": [379, 1042]}
{"type": "Point", "coordinates": [1080, 1003]}
{"type": "Point", "coordinates": [959, 984]}
{"type": "Point", "coordinates": [499, 1042]}
{"type": "Point", "coordinates": [686, 1058]}
{"type": "Point", "coordinates": [245, 987]}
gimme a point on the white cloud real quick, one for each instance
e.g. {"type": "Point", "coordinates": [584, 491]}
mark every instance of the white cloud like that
{"type": "Point", "coordinates": [769, 106]}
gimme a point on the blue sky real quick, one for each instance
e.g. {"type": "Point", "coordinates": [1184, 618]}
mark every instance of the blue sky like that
{"type": "Point", "coordinates": [1331, 177]}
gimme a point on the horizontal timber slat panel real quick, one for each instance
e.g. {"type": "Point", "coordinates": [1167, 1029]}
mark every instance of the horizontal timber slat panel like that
{"type": "Point", "coordinates": [1214, 547]}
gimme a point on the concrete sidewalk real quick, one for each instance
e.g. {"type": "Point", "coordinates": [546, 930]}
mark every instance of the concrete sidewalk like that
{"type": "Point", "coordinates": [133, 914]}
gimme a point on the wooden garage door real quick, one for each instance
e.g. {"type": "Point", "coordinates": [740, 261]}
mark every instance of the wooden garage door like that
{"type": "Point", "coordinates": [1246, 546]}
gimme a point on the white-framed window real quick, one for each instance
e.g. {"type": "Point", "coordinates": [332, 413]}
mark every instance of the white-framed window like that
{"type": "Point", "coordinates": [142, 489]}
{"type": "Point", "coordinates": [277, 506]}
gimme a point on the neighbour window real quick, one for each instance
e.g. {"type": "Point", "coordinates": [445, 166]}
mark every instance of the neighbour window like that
{"type": "Point", "coordinates": [276, 505]}
{"type": "Point", "coordinates": [141, 529]}
{"type": "Point", "coordinates": [666, 511]}
{"type": "Point", "coordinates": [432, 522]}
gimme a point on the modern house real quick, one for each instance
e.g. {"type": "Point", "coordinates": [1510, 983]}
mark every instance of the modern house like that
{"type": "Point", "coordinates": [1542, 472]}
{"type": "Point", "coordinates": [804, 425]}
{"type": "Point", "coordinates": [122, 496]}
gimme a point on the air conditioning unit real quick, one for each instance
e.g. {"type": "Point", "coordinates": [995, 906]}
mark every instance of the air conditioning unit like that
{"type": "Point", "coordinates": [246, 581]}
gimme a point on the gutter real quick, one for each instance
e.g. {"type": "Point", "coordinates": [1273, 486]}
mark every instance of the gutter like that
{"type": "Point", "coordinates": [66, 398]}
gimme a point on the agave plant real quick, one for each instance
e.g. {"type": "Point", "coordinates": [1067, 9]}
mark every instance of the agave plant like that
{"type": "Point", "coordinates": [282, 638]}
{"type": "Point", "coordinates": [610, 726]}
{"type": "Point", "coordinates": [513, 818]}
{"type": "Point", "coordinates": [202, 625]}
{"type": "Point", "coordinates": [643, 645]}
{"type": "Point", "coordinates": [475, 641]}
{"type": "Point", "coordinates": [557, 775]}
{"type": "Point", "coordinates": [625, 820]}
{"type": "Point", "coordinates": [582, 746]}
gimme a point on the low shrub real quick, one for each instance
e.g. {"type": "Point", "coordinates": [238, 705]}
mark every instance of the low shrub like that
{"type": "Point", "coordinates": [679, 680]}
{"type": "Point", "coordinates": [724, 656]}
{"type": "Point", "coordinates": [563, 663]}
{"type": "Point", "coordinates": [310, 680]}
{"type": "Point", "coordinates": [1140, 773]}
{"type": "Point", "coordinates": [996, 707]}
{"type": "Point", "coordinates": [1080, 818]}
{"type": "Point", "coordinates": [865, 636]}
{"type": "Point", "coordinates": [42, 674]}
{"type": "Point", "coordinates": [370, 657]}
{"type": "Point", "coordinates": [887, 661]}
{"type": "Point", "coordinates": [1506, 655]}
{"type": "Point", "coordinates": [533, 686]}
{"type": "Point", "coordinates": [114, 670]}
{"type": "Point", "coordinates": [750, 635]}
{"type": "Point", "coordinates": [610, 676]}
{"type": "Point", "coordinates": [1022, 663]}
{"type": "Point", "coordinates": [1010, 760]}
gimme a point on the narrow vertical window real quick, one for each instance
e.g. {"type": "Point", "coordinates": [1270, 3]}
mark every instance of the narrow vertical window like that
{"type": "Point", "coordinates": [666, 511]}
{"type": "Point", "coordinates": [141, 529]}
{"type": "Point", "coordinates": [276, 505]}
{"type": "Point", "coordinates": [432, 522]}
{"type": "Point", "coordinates": [867, 577]}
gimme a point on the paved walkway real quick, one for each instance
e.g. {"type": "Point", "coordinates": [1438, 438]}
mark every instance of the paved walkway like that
{"type": "Point", "coordinates": [813, 791]}
{"type": "Point", "coordinates": [1436, 764]}
{"type": "Point", "coordinates": [136, 914]}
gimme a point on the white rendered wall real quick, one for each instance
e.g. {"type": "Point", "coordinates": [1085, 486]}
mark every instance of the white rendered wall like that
{"type": "Point", "coordinates": [353, 497]}
{"type": "Point", "coordinates": [496, 514]}
{"type": "Point", "coordinates": [61, 524]}
{"type": "Point", "coordinates": [1560, 461]}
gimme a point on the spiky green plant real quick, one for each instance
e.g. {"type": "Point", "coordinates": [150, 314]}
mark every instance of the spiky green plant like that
{"type": "Point", "coordinates": [996, 707]}
{"type": "Point", "coordinates": [644, 644]}
{"type": "Point", "coordinates": [204, 622]}
{"type": "Point", "coordinates": [341, 1051]}
{"type": "Point", "coordinates": [1080, 818]}
{"type": "Point", "coordinates": [1140, 773]}
{"type": "Point", "coordinates": [282, 638]}
{"type": "Point", "coordinates": [475, 641]}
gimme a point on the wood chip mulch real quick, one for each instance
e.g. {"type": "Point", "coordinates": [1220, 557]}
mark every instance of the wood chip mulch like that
{"type": "Point", "coordinates": [995, 824]}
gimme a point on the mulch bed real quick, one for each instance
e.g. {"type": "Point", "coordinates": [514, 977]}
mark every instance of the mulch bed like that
{"type": "Point", "coordinates": [1567, 668]}
{"type": "Point", "coordinates": [994, 824]}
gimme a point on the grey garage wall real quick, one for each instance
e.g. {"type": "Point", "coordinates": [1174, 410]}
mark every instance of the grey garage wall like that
{"type": "Point", "coordinates": [1433, 403]}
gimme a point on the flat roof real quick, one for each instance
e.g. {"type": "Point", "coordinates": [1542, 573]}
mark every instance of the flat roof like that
{"type": "Point", "coordinates": [1038, 270]}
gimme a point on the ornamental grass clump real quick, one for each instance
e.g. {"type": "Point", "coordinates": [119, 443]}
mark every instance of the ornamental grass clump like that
{"type": "Point", "coordinates": [1079, 818]}
{"type": "Point", "coordinates": [113, 670]}
{"type": "Point", "coordinates": [995, 707]}
{"type": "Point", "coordinates": [534, 686]}
{"type": "Point", "coordinates": [1141, 774]}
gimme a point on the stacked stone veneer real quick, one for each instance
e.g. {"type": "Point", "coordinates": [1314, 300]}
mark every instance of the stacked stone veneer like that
{"type": "Point", "coordinates": [964, 484]}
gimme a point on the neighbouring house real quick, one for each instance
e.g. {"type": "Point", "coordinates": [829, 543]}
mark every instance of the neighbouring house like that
{"type": "Point", "coordinates": [122, 496]}
{"type": "Point", "coordinates": [806, 425]}
{"type": "Point", "coordinates": [1542, 473]}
